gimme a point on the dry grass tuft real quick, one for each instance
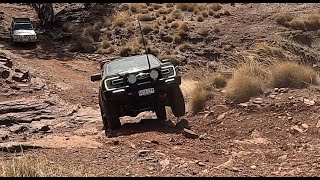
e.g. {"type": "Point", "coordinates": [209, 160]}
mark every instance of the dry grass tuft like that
{"type": "Point", "coordinates": [125, 51]}
{"type": "Point", "coordinates": [241, 88]}
{"type": "Point", "coordinates": [200, 19]}
{"type": "Point", "coordinates": [110, 50]}
{"type": "Point", "coordinates": [201, 6]}
{"type": "Point", "coordinates": [213, 80]}
{"type": "Point", "coordinates": [187, 86]}
{"type": "Point", "coordinates": [34, 166]}
{"type": "Point", "coordinates": [107, 22]}
{"type": "Point", "coordinates": [137, 7]}
{"type": "Point", "coordinates": [177, 39]}
{"type": "Point", "coordinates": [102, 51]}
{"type": "Point", "coordinates": [297, 24]}
{"type": "Point", "coordinates": [157, 6]}
{"type": "Point", "coordinates": [146, 17]}
{"type": "Point", "coordinates": [175, 25]}
{"type": "Point", "coordinates": [70, 27]}
{"type": "Point", "coordinates": [98, 25]}
{"type": "Point", "coordinates": [169, 19]}
{"type": "Point", "coordinates": [216, 29]}
{"type": "Point", "coordinates": [154, 51]}
{"type": "Point", "coordinates": [163, 11]}
{"type": "Point", "coordinates": [185, 46]}
{"type": "Point", "coordinates": [211, 13]}
{"type": "Point", "coordinates": [215, 6]}
{"type": "Point", "coordinates": [105, 44]}
{"type": "Point", "coordinates": [247, 81]}
{"type": "Point", "coordinates": [198, 98]}
{"type": "Point", "coordinates": [183, 26]}
{"type": "Point", "coordinates": [291, 74]}
{"type": "Point", "coordinates": [146, 29]}
{"type": "Point", "coordinates": [173, 59]}
{"type": "Point", "coordinates": [94, 33]}
{"type": "Point", "coordinates": [121, 19]}
{"type": "Point", "coordinates": [82, 44]}
{"type": "Point", "coordinates": [140, 41]}
{"type": "Point", "coordinates": [217, 15]}
{"type": "Point", "coordinates": [130, 28]}
{"type": "Point", "coordinates": [196, 12]}
{"type": "Point", "coordinates": [313, 22]}
{"type": "Point", "coordinates": [176, 14]}
{"type": "Point", "coordinates": [204, 31]}
{"type": "Point", "coordinates": [310, 22]}
{"type": "Point", "coordinates": [167, 38]}
{"type": "Point", "coordinates": [282, 18]}
{"type": "Point", "coordinates": [186, 6]}
{"type": "Point", "coordinates": [226, 13]}
{"type": "Point", "coordinates": [169, 5]}
{"type": "Point", "coordinates": [264, 49]}
{"type": "Point", "coordinates": [204, 13]}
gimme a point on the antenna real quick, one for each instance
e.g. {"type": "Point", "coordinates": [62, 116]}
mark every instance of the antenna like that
{"type": "Point", "coordinates": [144, 44]}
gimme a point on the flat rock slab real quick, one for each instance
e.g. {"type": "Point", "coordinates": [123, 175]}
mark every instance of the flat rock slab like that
{"type": "Point", "coordinates": [87, 115]}
{"type": "Point", "coordinates": [13, 147]}
{"type": "Point", "coordinates": [28, 110]}
{"type": "Point", "coordinates": [56, 141]}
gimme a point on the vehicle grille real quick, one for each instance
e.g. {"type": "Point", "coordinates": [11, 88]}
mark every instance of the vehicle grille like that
{"type": "Point", "coordinates": [143, 78]}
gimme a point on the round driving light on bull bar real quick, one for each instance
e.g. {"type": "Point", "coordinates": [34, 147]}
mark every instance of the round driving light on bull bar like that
{"type": "Point", "coordinates": [154, 74]}
{"type": "Point", "coordinates": [132, 78]}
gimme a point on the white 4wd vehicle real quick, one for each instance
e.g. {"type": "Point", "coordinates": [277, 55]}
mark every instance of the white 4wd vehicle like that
{"type": "Point", "coordinates": [21, 30]}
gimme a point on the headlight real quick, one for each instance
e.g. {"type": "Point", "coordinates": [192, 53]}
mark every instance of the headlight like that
{"type": "Point", "coordinates": [154, 74]}
{"type": "Point", "coordinates": [168, 71]}
{"type": "Point", "coordinates": [132, 79]}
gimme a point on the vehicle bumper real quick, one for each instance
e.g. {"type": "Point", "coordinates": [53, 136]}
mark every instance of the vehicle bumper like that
{"type": "Point", "coordinates": [130, 96]}
{"type": "Point", "coordinates": [25, 40]}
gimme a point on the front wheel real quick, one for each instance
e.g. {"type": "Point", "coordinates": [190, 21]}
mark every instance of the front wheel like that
{"type": "Point", "coordinates": [34, 44]}
{"type": "Point", "coordinates": [103, 114]}
{"type": "Point", "coordinates": [176, 101]}
{"type": "Point", "coordinates": [12, 42]}
{"type": "Point", "coordinates": [112, 115]}
{"type": "Point", "coordinates": [161, 112]}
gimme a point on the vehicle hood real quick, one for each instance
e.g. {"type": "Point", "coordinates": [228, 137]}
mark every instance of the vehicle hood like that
{"type": "Point", "coordinates": [22, 32]}
{"type": "Point", "coordinates": [129, 71]}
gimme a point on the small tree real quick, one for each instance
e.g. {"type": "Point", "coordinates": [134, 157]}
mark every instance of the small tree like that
{"type": "Point", "coordinates": [45, 12]}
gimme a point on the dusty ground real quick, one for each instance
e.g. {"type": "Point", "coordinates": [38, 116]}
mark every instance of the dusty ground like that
{"type": "Point", "coordinates": [275, 134]}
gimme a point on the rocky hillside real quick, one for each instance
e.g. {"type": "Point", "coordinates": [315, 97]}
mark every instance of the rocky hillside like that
{"type": "Point", "coordinates": [249, 78]}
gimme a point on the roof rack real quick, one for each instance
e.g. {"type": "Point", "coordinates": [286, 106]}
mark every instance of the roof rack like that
{"type": "Point", "coordinates": [21, 19]}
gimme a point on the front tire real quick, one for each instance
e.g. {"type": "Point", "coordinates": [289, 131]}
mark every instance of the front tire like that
{"type": "Point", "coordinates": [112, 115]}
{"type": "Point", "coordinates": [12, 42]}
{"type": "Point", "coordinates": [176, 101]}
{"type": "Point", "coordinates": [109, 113]}
{"type": "Point", "coordinates": [161, 112]}
{"type": "Point", "coordinates": [103, 114]}
{"type": "Point", "coordinates": [34, 44]}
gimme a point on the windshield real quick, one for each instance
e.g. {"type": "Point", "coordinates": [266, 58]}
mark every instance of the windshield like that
{"type": "Point", "coordinates": [24, 26]}
{"type": "Point", "coordinates": [131, 63]}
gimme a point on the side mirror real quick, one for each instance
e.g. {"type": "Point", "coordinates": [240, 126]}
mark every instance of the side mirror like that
{"type": "Point", "coordinates": [96, 77]}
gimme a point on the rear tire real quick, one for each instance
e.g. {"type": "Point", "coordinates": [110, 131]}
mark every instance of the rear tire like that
{"type": "Point", "coordinates": [161, 112]}
{"type": "Point", "coordinates": [176, 101]}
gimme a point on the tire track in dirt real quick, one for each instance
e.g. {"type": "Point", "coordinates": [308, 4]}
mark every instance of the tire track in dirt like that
{"type": "Point", "coordinates": [70, 80]}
